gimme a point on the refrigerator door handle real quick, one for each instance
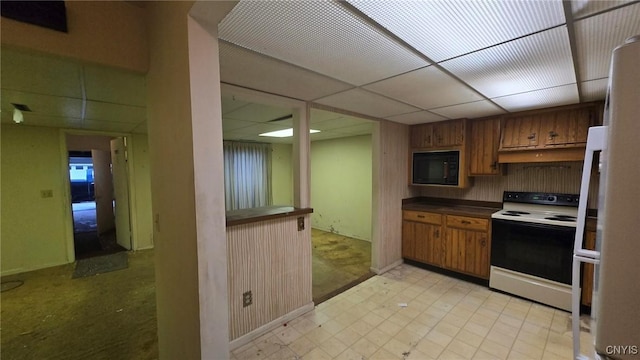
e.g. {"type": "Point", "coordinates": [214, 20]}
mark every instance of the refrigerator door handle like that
{"type": "Point", "coordinates": [596, 141]}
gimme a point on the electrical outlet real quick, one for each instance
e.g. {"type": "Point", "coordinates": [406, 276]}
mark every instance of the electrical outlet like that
{"type": "Point", "coordinates": [300, 223]}
{"type": "Point", "coordinates": [46, 193]}
{"type": "Point", "coordinates": [247, 299]}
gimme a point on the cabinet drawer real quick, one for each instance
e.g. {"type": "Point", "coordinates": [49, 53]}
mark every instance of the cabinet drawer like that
{"type": "Point", "coordinates": [421, 216]}
{"type": "Point", "coordinates": [465, 222]}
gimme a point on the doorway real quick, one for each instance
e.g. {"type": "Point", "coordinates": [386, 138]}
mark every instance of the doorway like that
{"type": "Point", "coordinates": [99, 194]}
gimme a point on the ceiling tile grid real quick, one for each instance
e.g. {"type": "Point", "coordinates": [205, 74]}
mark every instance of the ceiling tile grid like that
{"type": "Point", "coordinates": [534, 62]}
{"type": "Point", "coordinates": [597, 36]}
{"type": "Point", "coordinates": [418, 117]}
{"type": "Point", "coordinates": [594, 90]}
{"type": "Point", "coordinates": [249, 69]}
{"type": "Point", "coordinates": [442, 29]}
{"type": "Point", "coordinates": [426, 88]}
{"type": "Point", "coordinates": [477, 109]}
{"type": "Point", "coordinates": [321, 36]}
{"type": "Point", "coordinates": [367, 103]}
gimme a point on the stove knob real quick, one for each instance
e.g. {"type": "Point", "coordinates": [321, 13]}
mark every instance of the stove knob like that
{"type": "Point", "coordinates": [551, 198]}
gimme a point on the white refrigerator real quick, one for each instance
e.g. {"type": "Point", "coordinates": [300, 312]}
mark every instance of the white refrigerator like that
{"type": "Point", "coordinates": [616, 296]}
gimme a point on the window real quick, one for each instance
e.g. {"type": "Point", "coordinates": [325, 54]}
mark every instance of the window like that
{"type": "Point", "coordinates": [247, 175]}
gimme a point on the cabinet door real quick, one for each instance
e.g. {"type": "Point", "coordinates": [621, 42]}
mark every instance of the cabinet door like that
{"type": "Point", "coordinates": [448, 133]}
{"type": "Point", "coordinates": [421, 136]}
{"type": "Point", "coordinates": [467, 251]}
{"type": "Point", "coordinates": [567, 127]}
{"type": "Point", "coordinates": [485, 140]}
{"type": "Point", "coordinates": [421, 242]}
{"type": "Point", "coordinates": [520, 132]}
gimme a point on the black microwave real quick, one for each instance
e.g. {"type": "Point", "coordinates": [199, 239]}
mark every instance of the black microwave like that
{"type": "Point", "coordinates": [435, 167]}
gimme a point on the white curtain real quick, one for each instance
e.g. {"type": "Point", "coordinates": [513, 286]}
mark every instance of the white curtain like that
{"type": "Point", "coordinates": [247, 175]}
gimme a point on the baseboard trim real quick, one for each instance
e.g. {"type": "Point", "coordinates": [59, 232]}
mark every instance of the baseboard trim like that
{"type": "Point", "coordinates": [387, 268]}
{"type": "Point", "coordinates": [248, 337]}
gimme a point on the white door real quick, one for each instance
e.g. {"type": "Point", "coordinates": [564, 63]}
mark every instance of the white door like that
{"type": "Point", "coordinates": [103, 187]}
{"type": "Point", "coordinates": [121, 192]}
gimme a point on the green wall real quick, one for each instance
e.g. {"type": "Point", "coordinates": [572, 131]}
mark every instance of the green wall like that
{"type": "Point", "coordinates": [341, 186]}
{"type": "Point", "coordinates": [33, 229]}
{"type": "Point", "coordinates": [282, 174]}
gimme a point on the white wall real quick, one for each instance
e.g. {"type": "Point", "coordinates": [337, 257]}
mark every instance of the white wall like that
{"type": "Point", "coordinates": [341, 186]}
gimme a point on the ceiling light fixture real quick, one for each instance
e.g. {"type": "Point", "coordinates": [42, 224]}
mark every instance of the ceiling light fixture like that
{"type": "Point", "coordinates": [17, 116]}
{"type": "Point", "coordinates": [284, 133]}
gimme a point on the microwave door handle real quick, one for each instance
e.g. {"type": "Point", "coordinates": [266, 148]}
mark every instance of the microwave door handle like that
{"type": "Point", "coordinates": [446, 170]}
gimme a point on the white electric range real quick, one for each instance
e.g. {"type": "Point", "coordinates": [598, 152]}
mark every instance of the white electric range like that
{"type": "Point", "coordinates": [532, 246]}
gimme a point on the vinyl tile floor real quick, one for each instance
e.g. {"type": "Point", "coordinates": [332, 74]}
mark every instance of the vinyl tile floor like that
{"type": "Point", "coordinates": [411, 313]}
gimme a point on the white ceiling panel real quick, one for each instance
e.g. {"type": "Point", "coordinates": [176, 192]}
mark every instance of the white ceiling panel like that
{"type": "Point", "coordinates": [338, 123]}
{"type": "Point", "coordinates": [115, 112]}
{"type": "Point", "coordinates": [234, 124]}
{"type": "Point", "coordinates": [31, 119]}
{"type": "Point", "coordinates": [40, 74]}
{"type": "Point", "coordinates": [246, 68]}
{"type": "Point", "coordinates": [534, 62]}
{"type": "Point", "coordinates": [115, 85]}
{"type": "Point", "coordinates": [367, 103]}
{"type": "Point", "coordinates": [418, 117]}
{"type": "Point", "coordinates": [561, 95]}
{"type": "Point", "coordinates": [594, 90]}
{"type": "Point", "coordinates": [426, 88]}
{"type": "Point", "coordinates": [108, 126]}
{"type": "Point", "coordinates": [321, 36]}
{"type": "Point", "coordinates": [361, 129]}
{"type": "Point", "coordinates": [597, 36]}
{"type": "Point", "coordinates": [442, 29]}
{"type": "Point", "coordinates": [318, 115]}
{"type": "Point", "coordinates": [232, 103]}
{"type": "Point", "coordinates": [43, 104]}
{"type": "Point", "coordinates": [257, 113]}
{"type": "Point", "coordinates": [582, 8]}
{"type": "Point", "coordinates": [469, 110]}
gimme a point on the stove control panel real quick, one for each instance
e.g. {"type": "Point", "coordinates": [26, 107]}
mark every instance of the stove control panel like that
{"type": "Point", "coordinates": [541, 198]}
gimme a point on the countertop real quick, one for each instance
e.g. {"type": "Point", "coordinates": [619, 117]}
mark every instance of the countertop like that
{"type": "Point", "coordinates": [246, 216]}
{"type": "Point", "coordinates": [452, 206]}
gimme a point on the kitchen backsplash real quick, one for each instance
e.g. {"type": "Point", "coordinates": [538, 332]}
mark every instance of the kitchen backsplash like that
{"type": "Point", "coordinates": [558, 177]}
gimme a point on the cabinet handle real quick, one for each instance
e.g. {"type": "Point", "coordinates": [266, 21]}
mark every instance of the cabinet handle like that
{"type": "Point", "coordinates": [531, 136]}
{"type": "Point", "coordinates": [437, 233]}
{"type": "Point", "coordinates": [420, 216]}
{"type": "Point", "coordinates": [483, 243]}
{"type": "Point", "coordinates": [466, 222]}
{"type": "Point", "coordinates": [552, 134]}
{"type": "Point", "coordinates": [494, 165]}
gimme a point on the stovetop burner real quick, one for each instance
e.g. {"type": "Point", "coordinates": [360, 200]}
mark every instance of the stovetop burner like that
{"type": "Point", "coordinates": [540, 208]}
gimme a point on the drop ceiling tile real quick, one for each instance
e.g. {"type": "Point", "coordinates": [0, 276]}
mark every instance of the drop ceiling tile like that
{"type": "Point", "coordinates": [114, 85]}
{"type": "Point", "coordinates": [426, 88]}
{"type": "Point", "coordinates": [418, 117]}
{"type": "Point", "coordinates": [258, 113]}
{"type": "Point", "coordinates": [108, 126]}
{"type": "Point", "coordinates": [231, 103]}
{"type": "Point", "coordinates": [582, 8]}
{"type": "Point", "coordinates": [597, 36]}
{"type": "Point", "coordinates": [318, 115]}
{"type": "Point", "coordinates": [140, 128]}
{"type": "Point", "coordinates": [322, 36]}
{"type": "Point", "coordinates": [31, 119]}
{"type": "Point", "coordinates": [235, 124]}
{"type": "Point", "coordinates": [442, 29]}
{"type": "Point", "coordinates": [367, 103]}
{"type": "Point", "coordinates": [39, 74]}
{"type": "Point", "coordinates": [242, 67]}
{"type": "Point", "coordinates": [360, 129]}
{"type": "Point", "coordinates": [43, 104]}
{"type": "Point", "coordinates": [330, 135]}
{"type": "Point", "coordinates": [101, 111]}
{"type": "Point", "coordinates": [337, 123]}
{"type": "Point", "coordinates": [534, 62]}
{"type": "Point", "coordinates": [469, 110]}
{"type": "Point", "coordinates": [594, 90]}
{"type": "Point", "coordinates": [561, 95]}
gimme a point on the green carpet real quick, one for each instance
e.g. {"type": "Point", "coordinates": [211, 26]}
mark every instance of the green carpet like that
{"type": "Point", "coordinates": [101, 264]}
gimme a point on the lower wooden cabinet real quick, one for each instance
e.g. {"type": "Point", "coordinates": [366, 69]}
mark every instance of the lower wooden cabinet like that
{"type": "Point", "coordinates": [457, 243]}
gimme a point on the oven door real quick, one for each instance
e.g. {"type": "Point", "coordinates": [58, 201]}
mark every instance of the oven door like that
{"type": "Point", "coordinates": [540, 250]}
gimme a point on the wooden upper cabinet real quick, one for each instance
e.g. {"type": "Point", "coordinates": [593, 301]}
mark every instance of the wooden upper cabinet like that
{"type": "Point", "coordinates": [422, 136]}
{"type": "Point", "coordinates": [521, 132]}
{"type": "Point", "coordinates": [567, 127]}
{"type": "Point", "coordinates": [448, 133]}
{"type": "Point", "coordinates": [438, 135]}
{"type": "Point", "coordinates": [485, 140]}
